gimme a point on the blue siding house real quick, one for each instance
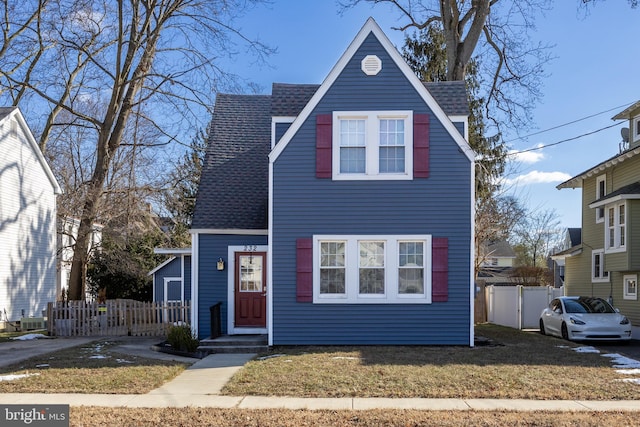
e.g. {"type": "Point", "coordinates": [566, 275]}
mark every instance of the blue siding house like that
{"type": "Point", "coordinates": [172, 278]}
{"type": "Point", "coordinates": [339, 213]}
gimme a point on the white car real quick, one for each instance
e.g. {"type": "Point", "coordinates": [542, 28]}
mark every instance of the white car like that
{"type": "Point", "coordinates": [584, 318]}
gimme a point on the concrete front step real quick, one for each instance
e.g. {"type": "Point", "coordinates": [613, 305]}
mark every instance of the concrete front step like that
{"type": "Point", "coordinates": [227, 349]}
{"type": "Point", "coordinates": [234, 344]}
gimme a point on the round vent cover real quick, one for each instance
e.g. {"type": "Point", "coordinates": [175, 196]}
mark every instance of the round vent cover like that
{"type": "Point", "coordinates": [371, 65]}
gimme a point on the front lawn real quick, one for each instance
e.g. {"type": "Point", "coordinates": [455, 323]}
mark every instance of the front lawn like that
{"type": "Point", "coordinates": [90, 368]}
{"type": "Point", "coordinates": [521, 365]}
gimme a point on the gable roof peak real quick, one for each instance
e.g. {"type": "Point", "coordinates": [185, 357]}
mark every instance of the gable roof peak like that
{"type": "Point", "coordinates": [372, 27]}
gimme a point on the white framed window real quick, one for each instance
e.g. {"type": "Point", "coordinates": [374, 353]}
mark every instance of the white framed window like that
{"type": "Point", "coordinates": [630, 286]}
{"type": "Point", "coordinates": [601, 191]}
{"type": "Point", "coordinates": [372, 269]}
{"type": "Point", "coordinates": [332, 268]}
{"type": "Point", "coordinates": [615, 229]}
{"type": "Point", "coordinates": [372, 145]}
{"type": "Point", "coordinates": [635, 130]}
{"type": "Point", "coordinates": [598, 273]}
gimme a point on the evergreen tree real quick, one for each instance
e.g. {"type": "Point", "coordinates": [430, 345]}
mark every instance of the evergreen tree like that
{"type": "Point", "coordinates": [120, 269]}
{"type": "Point", "coordinates": [180, 199]}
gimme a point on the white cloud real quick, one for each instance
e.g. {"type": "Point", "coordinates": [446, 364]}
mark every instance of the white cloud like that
{"type": "Point", "coordinates": [538, 177]}
{"type": "Point", "coordinates": [528, 157]}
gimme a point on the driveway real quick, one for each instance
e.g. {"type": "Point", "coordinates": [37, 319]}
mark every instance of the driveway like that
{"type": "Point", "coordinates": [17, 350]}
{"type": "Point", "coordinates": [631, 350]}
{"type": "Point", "coordinates": [14, 351]}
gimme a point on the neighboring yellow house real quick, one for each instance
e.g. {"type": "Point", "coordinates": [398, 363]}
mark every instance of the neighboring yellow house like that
{"type": "Point", "coordinates": [607, 262]}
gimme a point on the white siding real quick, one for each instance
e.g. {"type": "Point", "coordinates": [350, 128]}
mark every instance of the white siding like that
{"type": "Point", "coordinates": [27, 225]}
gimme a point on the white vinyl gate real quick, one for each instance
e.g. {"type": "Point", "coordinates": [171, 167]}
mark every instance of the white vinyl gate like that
{"type": "Point", "coordinates": [518, 306]}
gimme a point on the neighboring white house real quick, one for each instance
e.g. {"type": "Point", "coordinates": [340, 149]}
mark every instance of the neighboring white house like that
{"type": "Point", "coordinates": [497, 262]}
{"type": "Point", "coordinates": [28, 191]}
{"type": "Point", "coordinates": [67, 234]}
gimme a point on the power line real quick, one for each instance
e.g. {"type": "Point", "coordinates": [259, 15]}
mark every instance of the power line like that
{"type": "Point", "coordinates": [569, 123]}
{"type": "Point", "coordinates": [565, 140]}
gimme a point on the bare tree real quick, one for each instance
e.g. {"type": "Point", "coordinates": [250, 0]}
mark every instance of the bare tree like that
{"type": "Point", "coordinates": [498, 34]}
{"type": "Point", "coordinates": [496, 218]}
{"type": "Point", "coordinates": [150, 63]}
{"type": "Point", "coordinates": [535, 237]}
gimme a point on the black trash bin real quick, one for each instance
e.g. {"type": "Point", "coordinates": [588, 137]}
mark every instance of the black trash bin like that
{"type": "Point", "coordinates": [216, 326]}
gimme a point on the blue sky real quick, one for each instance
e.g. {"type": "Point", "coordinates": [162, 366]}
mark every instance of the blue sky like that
{"type": "Point", "coordinates": [594, 70]}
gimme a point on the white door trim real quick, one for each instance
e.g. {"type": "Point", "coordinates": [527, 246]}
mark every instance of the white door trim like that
{"type": "Point", "coordinates": [231, 306]}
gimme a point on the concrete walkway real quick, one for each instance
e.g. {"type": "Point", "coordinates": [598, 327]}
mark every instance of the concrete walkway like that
{"type": "Point", "coordinates": [200, 386]}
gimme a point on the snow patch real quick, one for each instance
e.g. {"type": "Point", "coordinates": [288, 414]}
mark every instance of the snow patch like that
{"type": "Point", "coordinates": [628, 371]}
{"type": "Point", "coordinates": [27, 337]}
{"type": "Point", "coordinates": [586, 349]}
{"type": "Point", "coordinates": [15, 377]}
{"type": "Point", "coordinates": [622, 362]}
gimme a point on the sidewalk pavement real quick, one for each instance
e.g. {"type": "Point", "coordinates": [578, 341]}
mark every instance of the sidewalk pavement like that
{"type": "Point", "coordinates": [200, 386]}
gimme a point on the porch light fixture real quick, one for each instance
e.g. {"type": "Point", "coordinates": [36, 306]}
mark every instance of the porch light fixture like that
{"type": "Point", "coordinates": [220, 264]}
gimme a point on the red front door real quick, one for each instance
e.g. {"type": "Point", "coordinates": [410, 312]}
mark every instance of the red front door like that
{"type": "Point", "coordinates": [250, 290]}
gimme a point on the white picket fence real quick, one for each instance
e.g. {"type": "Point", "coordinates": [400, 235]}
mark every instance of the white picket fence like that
{"type": "Point", "coordinates": [518, 306]}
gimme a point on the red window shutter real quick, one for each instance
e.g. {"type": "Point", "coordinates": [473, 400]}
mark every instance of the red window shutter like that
{"type": "Point", "coordinates": [421, 146]}
{"type": "Point", "coordinates": [439, 269]}
{"type": "Point", "coordinates": [304, 270]}
{"type": "Point", "coordinates": [324, 133]}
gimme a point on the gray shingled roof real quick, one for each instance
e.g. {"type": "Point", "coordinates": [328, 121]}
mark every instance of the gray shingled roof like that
{"type": "Point", "coordinates": [290, 99]}
{"type": "Point", "coordinates": [451, 96]}
{"type": "Point", "coordinates": [287, 100]}
{"type": "Point", "coordinates": [233, 186]}
{"type": "Point", "coordinates": [498, 249]}
{"type": "Point", "coordinates": [5, 111]}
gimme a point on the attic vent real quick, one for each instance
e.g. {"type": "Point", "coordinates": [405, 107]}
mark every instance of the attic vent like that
{"type": "Point", "coordinates": [371, 65]}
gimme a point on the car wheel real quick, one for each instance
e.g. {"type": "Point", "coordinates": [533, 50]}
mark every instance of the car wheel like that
{"type": "Point", "coordinates": [542, 331]}
{"type": "Point", "coordinates": [565, 332]}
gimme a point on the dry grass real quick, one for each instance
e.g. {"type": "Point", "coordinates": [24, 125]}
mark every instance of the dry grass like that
{"type": "Point", "coordinates": [169, 417]}
{"type": "Point", "coordinates": [524, 366]}
{"type": "Point", "coordinates": [92, 368]}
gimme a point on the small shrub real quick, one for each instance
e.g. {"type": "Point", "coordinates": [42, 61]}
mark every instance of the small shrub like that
{"type": "Point", "coordinates": [181, 338]}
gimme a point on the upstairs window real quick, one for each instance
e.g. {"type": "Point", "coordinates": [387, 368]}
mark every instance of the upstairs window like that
{"type": "Point", "coordinates": [615, 229]}
{"type": "Point", "coordinates": [352, 146]}
{"type": "Point", "coordinates": [372, 145]}
{"type": "Point", "coordinates": [635, 130]}
{"type": "Point", "coordinates": [601, 191]}
{"type": "Point", "coordinates": [392, 146]}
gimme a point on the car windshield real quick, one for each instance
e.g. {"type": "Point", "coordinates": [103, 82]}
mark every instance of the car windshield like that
{"type": "Point", "coordinates": [587, 305]}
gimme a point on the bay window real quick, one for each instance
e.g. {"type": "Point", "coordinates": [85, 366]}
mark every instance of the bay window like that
{"type": "Point", "coordinates": [615, 230]}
